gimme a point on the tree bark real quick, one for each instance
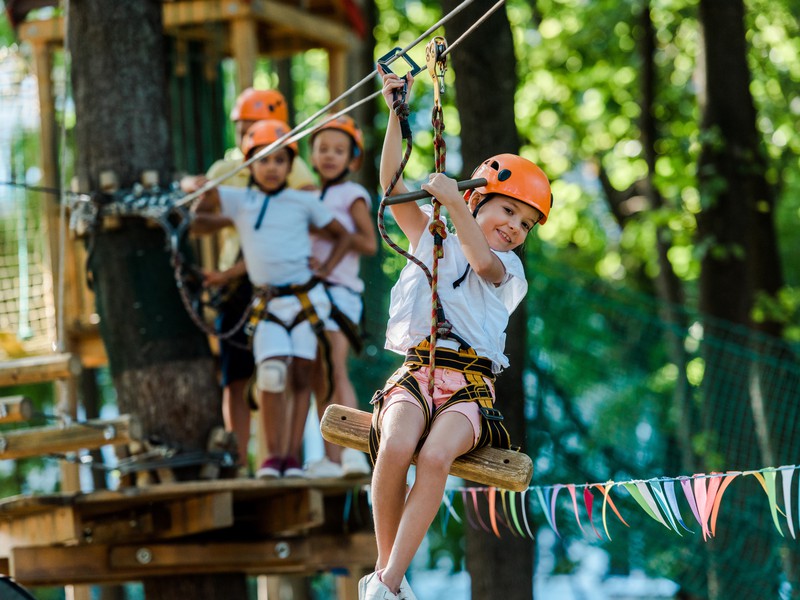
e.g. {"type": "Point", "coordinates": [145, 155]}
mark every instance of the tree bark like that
{"type": "Point", "coordinates": [486, 80]}
{"type": "Point", "coordinates": [737, 228]}
{"type": "Point", "coordinates": [160, 362]}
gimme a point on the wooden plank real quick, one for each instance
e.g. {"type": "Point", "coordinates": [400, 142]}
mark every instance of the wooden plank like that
{"type": "Point", "coordinates": [489, 466]}
{"type": "Point", "coordinates": [102, 563]}
{"type": "Point", "coordinates": [39, 441]}
{"type": "Point", "coordinates": [14, 409]}
{"type": "Point", "coordinates": [38, 369]}
{"type": "Point", "coordinates": [57, 526]}
{"type": "Point", "coordinates": [293, 511]}
{"type": "Point", "coordinates": [173, 519]}
{"type": "Point", "coordinates": [325, 31]}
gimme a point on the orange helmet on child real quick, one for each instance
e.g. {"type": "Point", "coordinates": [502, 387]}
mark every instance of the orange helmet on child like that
{"type": "Point", "coordinates": [257, 105]}
{"type": "Point", "coordinates": [346, 125]}
{"type": "Point", "coordinates": [517, 178]}
{"type": "Point", "coordinates": [263, 133]}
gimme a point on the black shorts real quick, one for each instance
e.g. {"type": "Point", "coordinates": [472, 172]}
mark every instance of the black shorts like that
{"type": "Point", "coordinates": [235, 362]}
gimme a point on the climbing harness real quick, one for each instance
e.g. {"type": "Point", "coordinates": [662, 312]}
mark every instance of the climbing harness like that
{"type": "Point", "coordinates": [476, 370]}
{"type": "Point", "coordinates": [259, 311]}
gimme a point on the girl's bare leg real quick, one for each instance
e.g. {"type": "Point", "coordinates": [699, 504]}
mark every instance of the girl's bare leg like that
{"type": "Point", "coordinates": [451, 436]}
{"type": "Point", "coordinates": [401, 428]}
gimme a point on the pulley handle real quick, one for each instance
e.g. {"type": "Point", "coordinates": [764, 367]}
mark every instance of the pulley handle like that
{"type": "Point", "coordinates": [467, 184]}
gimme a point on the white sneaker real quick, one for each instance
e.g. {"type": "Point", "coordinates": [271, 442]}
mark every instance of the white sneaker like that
{"type": "Point", "coordinates": [405, 591]}
{"type": "Point", "coordinates": [324, 468]}
{"type": "Point", "coordinates": [354, 463]}
{"type": "Point", "coordinates": [370, 587]}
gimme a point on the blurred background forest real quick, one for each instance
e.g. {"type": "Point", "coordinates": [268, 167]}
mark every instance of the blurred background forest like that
{"type": "Point", "coordinates": [662, 324]}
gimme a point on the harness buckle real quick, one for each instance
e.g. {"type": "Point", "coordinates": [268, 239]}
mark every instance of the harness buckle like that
{"type": "Point", "coordinates": [490, 414]}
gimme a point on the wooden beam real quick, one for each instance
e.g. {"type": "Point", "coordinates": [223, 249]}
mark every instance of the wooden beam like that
{"type": "Point", "coordinates": [57, 526]}
{"type": "Point", "coordinates": [173, 519]}
{"type": "Point", "coordinates": [38, 369]}
{"type": "Point", "coordinates": [102, 563]}
{"type": "Point", "coordinates": [40, 441]}
{"type": "Point", "coordinates": [293, 511]}
{"type": "Point", "coordinates": [14, 409]}
{"type": "Point", "coordinates": [490, 466]}
{"type": "Point", "coordinates": [326, 31]}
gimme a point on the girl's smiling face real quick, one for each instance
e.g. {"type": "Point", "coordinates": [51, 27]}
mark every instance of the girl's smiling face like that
{"type": "Point", "coordinates": [504, 221]}
{"type": "Point", "coordinates": [270, 172]}
{"type": "Point", "coordinates": [331, 153]}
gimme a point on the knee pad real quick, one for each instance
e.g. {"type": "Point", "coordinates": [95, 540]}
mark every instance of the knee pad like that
{"type": "Point", "coordinates": [272, 376]}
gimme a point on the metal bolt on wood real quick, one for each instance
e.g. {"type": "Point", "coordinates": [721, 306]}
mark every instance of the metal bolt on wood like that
{"type": "Point", "coordinates": [144, 556]}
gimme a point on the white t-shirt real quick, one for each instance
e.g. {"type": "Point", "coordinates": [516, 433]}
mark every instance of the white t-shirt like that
{"type": "Point", "coordinates": [477, 309]}
{"type": "Point", "coordinates": [339, 199]}
{"type": "Point", "coordinates": [277, 253]}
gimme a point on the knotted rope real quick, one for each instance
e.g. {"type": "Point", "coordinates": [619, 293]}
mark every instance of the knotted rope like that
{"type": "Point", "coordinates": [437, 65]}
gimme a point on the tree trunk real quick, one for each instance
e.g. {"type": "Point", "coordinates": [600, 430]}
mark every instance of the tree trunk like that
{"type": "Point", "coordinates": [160, 362]}
{"type": "Point", "coordinates": [486, 80]}
{"type": "Point", "coordinates": [737, 228]}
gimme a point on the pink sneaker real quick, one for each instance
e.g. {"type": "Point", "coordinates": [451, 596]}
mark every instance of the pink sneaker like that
{"type": "Point", "coordinates": [272, 468]}
{"type": "Point", "coordinates": [292, 467]}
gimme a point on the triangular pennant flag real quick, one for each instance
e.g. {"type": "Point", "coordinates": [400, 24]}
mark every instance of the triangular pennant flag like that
{"type": "Point", "coordinates": [686, 486]}
{"type": "Point", "coordinates": [658, 493]}
{"type": "Point", "coordinates": [786, 481]}
{"type": "Point", "coordinates": [699, 486]}
{"type": "Point", "coordinates": [711, 493]}
{"type": "Point", "coordinates": [718, 500]}
{"type": "Point", "coordinates": [669, 490]}
{"type": "Point", "coordinates": [651, 511]}
{"type": "Point", "coordinates": [524, 504]}
{"type": "Point", "coordinates": [556, 488]}
{"type": "Point", "coordinates": [474, 493]}
{"type": "Point", "coordinates": [545, 507]}
{"type": "Point", "coordinates": [493, 510]}
{"type": "Point", "coordinates": [607, 501]}
{"type": "Point", "coordinates": [571, 489]}
{"type": "Point", "coordinates": [513, 501]}
{"type": "Point", "coordinates": [772, 496]}
{"type": "Point", "coordinates": [503, 497]}
{"type": "Point", "coordinates": [588, 502]}
{"type": "Point", "coordinates": [472, 523]}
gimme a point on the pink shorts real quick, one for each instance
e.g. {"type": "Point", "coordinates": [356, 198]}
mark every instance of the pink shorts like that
{"type": "Point", "coordinates": [447, 383]}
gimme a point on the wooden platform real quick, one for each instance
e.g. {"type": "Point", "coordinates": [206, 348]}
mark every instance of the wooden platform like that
{"type": "Point", "coordinates": [505, 469]}
{"type": "Point", "coordinates": [234, 525]}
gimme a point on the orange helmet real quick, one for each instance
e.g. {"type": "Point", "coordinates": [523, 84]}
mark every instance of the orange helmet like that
{"type": "Point", "coordinates": [346, 125]}
{"type": "Point", "coordinates": [517, 178]}
{"type": "Point", "coordinates": [263, 133]}
{"type": "Point", "coordinates": [256, 105]}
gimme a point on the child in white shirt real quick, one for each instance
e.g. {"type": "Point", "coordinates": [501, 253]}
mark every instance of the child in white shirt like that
{"type": "Point", "coordinates": [273, 224]}
{"type": "Point", "coordinates": [480, 282]}
{"type": "Point", "coordinates": [337, 149]}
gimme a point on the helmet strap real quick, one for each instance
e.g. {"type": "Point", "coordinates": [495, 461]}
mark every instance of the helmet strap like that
{"type": "Point", "coordinates": [335, 181]}
{"type": "Point", "coordinates": [483, 201]}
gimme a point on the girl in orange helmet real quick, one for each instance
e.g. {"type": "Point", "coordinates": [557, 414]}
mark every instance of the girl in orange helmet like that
{"type": "Point", "coordinates": [337, 149]}
{"type": "Point", "coordinates": [290, 303]}
{"type": "Point", "coordinates": [481, 281]}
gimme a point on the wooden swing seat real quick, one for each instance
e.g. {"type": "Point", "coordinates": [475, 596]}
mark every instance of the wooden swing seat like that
{"type": "Point", "coordinates": [504, 469]}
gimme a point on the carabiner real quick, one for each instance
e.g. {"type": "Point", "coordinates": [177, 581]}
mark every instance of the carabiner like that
{"type": "Point", "coordinates": [436, 61]}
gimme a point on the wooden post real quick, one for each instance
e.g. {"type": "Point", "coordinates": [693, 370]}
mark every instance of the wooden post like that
{"type": "Point", "coordinates": [337, 73]}
{"type": "Point", "coordinates": [14, 409]}
{"type": "Point", "coordinates": [244, 42]}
